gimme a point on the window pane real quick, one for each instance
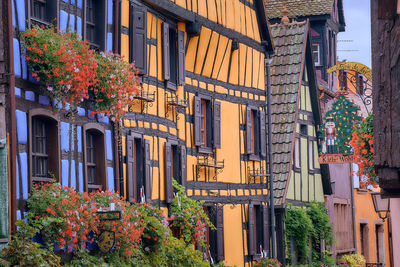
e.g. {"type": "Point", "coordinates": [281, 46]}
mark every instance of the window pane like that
{"type": "Point", "coordinates": [297, 153]}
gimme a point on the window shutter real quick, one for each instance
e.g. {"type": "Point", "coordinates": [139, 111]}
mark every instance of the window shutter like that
{"type": "Point", "coordinates": [266, 228]}
{"type": "Point", "coordinates": [168, 175]}
{"type": "Point", "coordinates": [197, 121]}
{"type": "Point", "coordinates": [181, 57]}
{"type": "Point", "coordinates": [130, 165]}
{"type": "Point", "coordinates": [138, 38]}
{"type": "Point", "coordinates": [217, 124]}
{"type": "Point", "coordinates": [147, 170]}
{"type": "Point", "coordinates": [183, 165]}
{"type": "Point", "coordinates": [248, 131]}
{"type": "Point", "coordinates": [166, 52]}
{"type": "Point", "coordinates": [250, 230]}
{"type": "Point", "coordinates": [263, 144]}
{"type": "Point", "coordinates": [220, 233]}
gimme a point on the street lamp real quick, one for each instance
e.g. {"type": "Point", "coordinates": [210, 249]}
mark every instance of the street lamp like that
{"type": "Point", "coordinates": [381, 205]}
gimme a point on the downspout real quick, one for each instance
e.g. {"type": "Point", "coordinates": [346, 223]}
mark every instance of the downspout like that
{"type": "Point", "coordinates": [117, 179]}
{"type": "Point", "coordinates": [353, 213]}
{"type": "Point", "coordinates": [267, 64]}
{"type": "Point", "coordinates": [13, 133]}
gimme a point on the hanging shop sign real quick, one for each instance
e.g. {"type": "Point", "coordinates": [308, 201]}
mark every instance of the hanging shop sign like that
{"type": "Point", "coordinates": [335, 133]}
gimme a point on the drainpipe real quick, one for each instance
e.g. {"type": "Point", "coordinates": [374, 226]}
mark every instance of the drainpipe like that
{"type": "Point", "coordinates": [13, 132]}
{"type": "Point", "coordinates": [353, 212]}
{"type": "Point", "coordinates": [267, 64]}
{"type": "Point", "coordinates": [117, 163]}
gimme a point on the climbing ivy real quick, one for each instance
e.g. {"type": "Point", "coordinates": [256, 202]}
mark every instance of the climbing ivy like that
{"type": "Point", "coordinates": [305, 224]}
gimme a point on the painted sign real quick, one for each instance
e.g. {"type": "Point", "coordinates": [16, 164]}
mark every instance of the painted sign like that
{"type": "Point", "coordinates": [335, 133]}
{"type": "Point", "coordinates": [357, 67]}
{"type": "Point", "coordinates": [106, 241]}
{"type": "Point", "coordinates": [335, 158]}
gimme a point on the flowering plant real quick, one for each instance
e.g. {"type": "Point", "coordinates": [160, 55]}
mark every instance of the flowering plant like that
{"type": "Point", "coordinates": [155, 230]}
{"type": "Point", "coordinates": [72, 72]}
{"type": "Point", "coordinates": [266, 262]}
{"type": "Point", "coordinates": [68, 219]}
{"type": "Point", "coordinates": [128, 230]}
{"type": "Point", "coordinates": [64, 217]}
{"type": "Point", "coordinates": [188, 216]}
{"type": "Point", "coordinates": [60, 61]}
{"type": "Point", "coordinates": [363, 143]}
{"type": "Point", "coordinates": [356, 260]}
{"type": "Point", "coordinates": [117, 82]}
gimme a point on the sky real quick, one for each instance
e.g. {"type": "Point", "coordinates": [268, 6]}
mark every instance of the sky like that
{"type": "Point", "coordinates": [355, 43]}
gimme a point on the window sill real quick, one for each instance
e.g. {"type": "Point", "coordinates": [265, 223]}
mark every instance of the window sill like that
{"type": "Point", "coordinates": [254, 157]}
{"type": "Point", "coordinates": [170, 85]}
{"type": "Point", "coordinates": [205, 150]}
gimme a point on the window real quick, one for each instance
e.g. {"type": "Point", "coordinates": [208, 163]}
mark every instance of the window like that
{"type": "Point", "coordinates": [173, 56]}
{"type": "Point", "coordinates": [364, 240]}
{"type": "Point", "coordinates": [380, 243]}
{"type": "Point", "coordinates": [43, 138]}
{"type": "Point", "coordinates": [215, 238]}
{"type": "Point", "coordinates": [138, 168]}
{"type": "Point", "coordinates": [91, 158]}
{"type": "Point", "coordinates": [42, 11]}
{"type": "Point", "coordinates": [207, 124]}
{"type": "Point", "coordinates": [297, 153]}
{"type": "Point", "coordinates": [258, 229]}
{"type": "Point", "coordinates": [39, 9]}
{"type": "Point", "coordinates": [96, 24]}
{"type": "Point", "coordinates": [310, 155]}
{"type": "Point", "coordinates": [255, 133]}
{"type": "Point", "coordinates": [303, 129]}
{"type": "Point", "coordinates": [94, 157]}
{"type": "Point", "coordinates": [343, 79]}
{"type": "Point", "coordinates": [316, 54]}
{"type": "Point", "coordinates": [175, 167]}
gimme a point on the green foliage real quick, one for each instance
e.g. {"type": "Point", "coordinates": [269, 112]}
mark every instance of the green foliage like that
{"type": "Point", "coordinates": [176, 253]}
{"type": "Point", "coordinates": [322, 228]}
{"type": "Point", "coordinates": [305, 224]}
{"type": "Point", "coordinates": [354, 260]}
{"type": "Point", "coordinates": [345, 117]}
{"type": "Point", "coordinates": [156, 230]}
{"type": "Point", "coordinates": [188, 216]}
{"type": "Point", "coordinates": [298, 226]}
{"type": "Point", "coordinates": [23, 251]}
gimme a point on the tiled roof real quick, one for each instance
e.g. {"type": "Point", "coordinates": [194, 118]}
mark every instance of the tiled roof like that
{"type": "Point", "coordinates": [299, 8]}
{"type": "Point", "coordinates": [285, 81]}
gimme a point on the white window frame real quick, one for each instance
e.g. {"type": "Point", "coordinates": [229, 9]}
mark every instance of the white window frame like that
{"type": "Point", "coordinates": [317, 62]}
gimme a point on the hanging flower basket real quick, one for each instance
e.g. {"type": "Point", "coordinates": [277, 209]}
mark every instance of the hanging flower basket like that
{"type": "Point", "coordinates": [74, 73]}
{"type": "Point", "coordinates": [363, 144]}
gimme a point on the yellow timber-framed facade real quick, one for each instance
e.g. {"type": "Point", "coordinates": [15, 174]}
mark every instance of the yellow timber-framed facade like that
{"type": "Point", "coordinates": [201, 115]}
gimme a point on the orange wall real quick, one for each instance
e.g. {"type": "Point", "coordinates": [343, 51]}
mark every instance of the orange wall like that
{"type": "Point", "coordinates": [365, 210]}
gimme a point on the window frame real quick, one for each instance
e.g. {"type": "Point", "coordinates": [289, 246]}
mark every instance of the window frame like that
{"type": "Point", "coordinates": [100, 24]}
{"type": "Point", "coordinates": [173, 49]}
{"type": "Point", "coordinates": [317, 62]}
{"type": "Point", "coordinates": [255, 136]}
{"type": "Point", "coordinates": [101, 162]}
{"type": "Point", "coordinates": [206, 121]}
{"type": "Point", "coordinates": [53, 121]}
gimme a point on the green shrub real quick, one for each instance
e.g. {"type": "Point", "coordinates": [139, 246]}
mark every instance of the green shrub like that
{"type": "Point", "coordinates": [354, 260]}
{"type": "Point", "coordinates": [23, 251]}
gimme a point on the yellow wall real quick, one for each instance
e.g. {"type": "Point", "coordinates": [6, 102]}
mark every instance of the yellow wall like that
{"type": "Point", "coordinates": [233, 77]}
{"type": "Point", "coordinates": [304, 185]}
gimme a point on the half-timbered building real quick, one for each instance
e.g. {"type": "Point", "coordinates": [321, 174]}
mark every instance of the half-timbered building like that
{"type": "Point", "coordinates": [76, 151]}
{"type": "Point", "coordinates": [295, 116]}
{"type": "Point", "coordinates": [200, 118]}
